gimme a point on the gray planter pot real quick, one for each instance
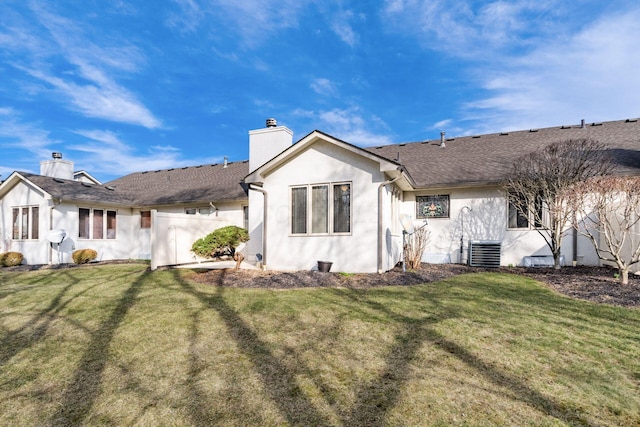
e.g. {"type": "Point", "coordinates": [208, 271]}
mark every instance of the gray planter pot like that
{"type": "Point", "coordinates": [324, 266]}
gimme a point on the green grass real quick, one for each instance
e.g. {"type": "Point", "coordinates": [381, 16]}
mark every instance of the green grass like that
{"type": "Point", "coordinates": [119, 345]}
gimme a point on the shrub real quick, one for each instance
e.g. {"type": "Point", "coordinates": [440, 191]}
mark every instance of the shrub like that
{"type": "Point", "coordinates": [10, 259]}
{"type": "Point", "coordinates": [83, 256]}
{"type": "Point", "coordinates": [222, 241]}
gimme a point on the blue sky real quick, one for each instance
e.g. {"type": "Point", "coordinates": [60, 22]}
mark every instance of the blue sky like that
{"type": "Point", "coordinates": [122, 86]}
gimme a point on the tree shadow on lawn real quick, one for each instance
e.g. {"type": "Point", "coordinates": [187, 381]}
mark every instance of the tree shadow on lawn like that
{"type": "Point", "coordinates": [80, 395]}
{"type": "Point", "coordinates": [376, 398]}
{"type": "Point", "coordinates": [279, 380]}
{"type": "Point", "coordinates": [36, 328]}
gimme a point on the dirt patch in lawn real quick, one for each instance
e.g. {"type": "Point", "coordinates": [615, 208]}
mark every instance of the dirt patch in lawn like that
{"type": "Point", "coordinates": [596, 284]}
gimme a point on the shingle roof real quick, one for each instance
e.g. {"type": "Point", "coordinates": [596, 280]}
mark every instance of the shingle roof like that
{"type": "Point", "coordinates": [487, 159]}
{"type": "Point", "coordinates": [464, 161]}
{"type": "Point", "coordinates": [195, 184]}
{"type": "Point", "coordinates": [67, 189]}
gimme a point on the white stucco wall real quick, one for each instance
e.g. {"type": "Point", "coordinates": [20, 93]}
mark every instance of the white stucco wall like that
{"type": "Point", "coordinates": [323, 163]}
{"type": "Point", "coordinates": [487, 220]}
{"type": "Point", "coordinates": [21, 195]}
{"type": "Point", "coordinates": [124, 246]}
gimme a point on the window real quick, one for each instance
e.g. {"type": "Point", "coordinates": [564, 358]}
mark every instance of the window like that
{"type": "Point", "coordinates": [198, 211]}
{"type": "Point", "coordinates": [518, 219]}
{"type": "Point", "coordinates": [96, 224]}
{"type": "Point", "coordinates": [26, 223]}
{"type": "Point", "coordinates": [111, 224]}
{"type": "Point", "coordinates": [342, 208]}
{"type": "Point", "coordinates": [145, 219]}
{"type": "Point", "coordinates": [83, 223]}
{"type": "Point", "coordinates": [311, 209]}
{"type": "Point", "coordinates": [299, 210]}
{"type": "Point", "coordinates": [432, 206]}
{"type": "Point", "coordinates": [245, 216]}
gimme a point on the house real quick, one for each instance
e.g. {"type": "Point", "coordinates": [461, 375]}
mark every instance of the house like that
{"type": "Point", "coordinates": [148, 215]}
{"type": "Point", "coordinates": [319, 199]}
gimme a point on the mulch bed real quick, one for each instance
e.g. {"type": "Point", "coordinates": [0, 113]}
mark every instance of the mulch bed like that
{"type": "Point", "coordinates": [596, 284]}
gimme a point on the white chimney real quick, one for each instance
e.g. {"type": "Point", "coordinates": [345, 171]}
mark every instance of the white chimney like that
{"type": "Point", "coordinates": [57, 168]}
{"type": "Point", "coordinates": [266, 143]}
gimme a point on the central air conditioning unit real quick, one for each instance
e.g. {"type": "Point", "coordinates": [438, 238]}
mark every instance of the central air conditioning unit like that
{"type": "Point", "coordinates": [484, 253]}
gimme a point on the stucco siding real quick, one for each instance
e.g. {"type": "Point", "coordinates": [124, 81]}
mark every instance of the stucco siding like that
{"type": "Point", "coordinates": [35, 251]}
{"type": "Point", "coordinates": [486, 220]}
{"type": "Point", "coordinates": [324, 163]}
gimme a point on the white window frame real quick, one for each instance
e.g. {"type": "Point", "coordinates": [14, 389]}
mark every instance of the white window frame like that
{"type": "Point", "coordinates": [330, 210]}
{"type": "Point", "coordinates": [105, 224]}
{"type": "Point", "coordinates": [198, 210]}
{"type": "Point", "coordinates": [531, 220]}
{"type": "Point", "coordinates": [23, 234]}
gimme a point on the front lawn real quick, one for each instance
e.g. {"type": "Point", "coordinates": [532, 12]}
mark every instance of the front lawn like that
{"type": "Point", "coordinates": [120, 345]}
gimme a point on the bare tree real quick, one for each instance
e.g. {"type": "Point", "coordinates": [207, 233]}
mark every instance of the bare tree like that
{"type": "Point", "coordinates": [610, 211]}
{"type": "Point", "coordinates": [538, 183]}
{"type": "Point", "coordinates": [415, 245]}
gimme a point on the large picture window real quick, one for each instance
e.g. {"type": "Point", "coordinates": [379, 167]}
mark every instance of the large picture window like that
{"type": "Point", "coordinates": [26, 223]}
{"type": "Point", "coordinates": [432, 206]}
{"type": "Point", "coordinates": [321, 209]}
{"type": "Point", "coordinates": [96, 224]}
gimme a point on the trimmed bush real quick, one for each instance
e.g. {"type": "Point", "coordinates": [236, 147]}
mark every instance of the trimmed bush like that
{"type": "Point", "coordinates": [223, 241]}
{"type": "Point", "coordinates": [10, 259]}
{"type": "Point", "coordinates": [83, 256]}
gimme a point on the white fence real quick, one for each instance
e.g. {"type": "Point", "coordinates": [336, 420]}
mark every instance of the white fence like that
{"type": "Point", "coordinates": [173, 235]}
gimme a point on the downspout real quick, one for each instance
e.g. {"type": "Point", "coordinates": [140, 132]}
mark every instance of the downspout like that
{"type": "Point", "coordinates": [51, 210]}
{"type": "Point", "coordinates": [380, 187]}
{"type": "Point", "coordinates": [264, 221]}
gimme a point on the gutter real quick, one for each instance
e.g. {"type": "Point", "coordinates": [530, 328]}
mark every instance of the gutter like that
{"type": "Point", "coordinates": [380, 187]}
{"type": "Point", "coordinates": [264, 221]}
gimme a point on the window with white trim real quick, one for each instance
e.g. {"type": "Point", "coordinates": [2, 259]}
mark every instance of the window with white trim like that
{"type": "Point", "coordinates": [321, 208]}
{"type": "Point", "coordinates": [517, 219]}
{"type": "Point", "coordinates": [26, 223]}
{"type": "Point", "coordinates": [96, 224]}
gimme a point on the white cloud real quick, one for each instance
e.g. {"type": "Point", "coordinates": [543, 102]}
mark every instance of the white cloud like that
{"type": "Point", "coordinates": [86, 79]}
{"type": "Point", "coordinates": [350, 125]}
{"type": "Point", "coordinates": [341, 26]}
{"type": "Point", "coordinates": [469, 29]}
{"type": "Point", "coordinates": [122, 159]}
{"type": "Point", "coordinates": [535, 63]}
{"type": "Point", "coordinates": [590, 76]}
{"type": "Point", "coordinates": [27, 136]}
{"type": "Point", "coordinates": [251, 21]}
{"type": "Point", "coordinates": [324, 87]}
{"type": "Point", "coordinates": [442, 124]}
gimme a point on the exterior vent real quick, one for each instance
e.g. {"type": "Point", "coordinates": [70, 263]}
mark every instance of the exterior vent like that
{"type": "Point", "coordinates": [56, 155]}
{"type": "Point", "coordinates": [271, 123]}
{"type": "Point", "coordinates": [484, 253]}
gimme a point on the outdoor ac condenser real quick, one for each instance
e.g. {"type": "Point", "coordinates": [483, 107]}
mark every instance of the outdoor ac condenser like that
{"type": "Point", "coordinates": [483, 253]}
